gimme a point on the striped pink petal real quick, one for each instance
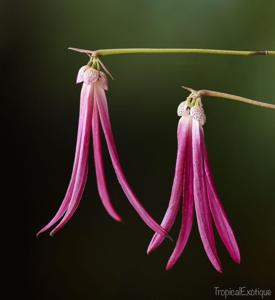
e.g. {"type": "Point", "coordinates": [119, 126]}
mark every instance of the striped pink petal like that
{"type": "Point", "coordinates": [220, 219]}
{"type": "Point", "coordinates": [177, 188]}
{"type": "Point", "coordinates": [99, 168]}
{"type": "Point", "coordinates": [200, 196]}
{"type": "Point", "coordinates": [187, 207]}
{"type": "Point", "coordinates": [82, 167]}
{"type": "Point", "coordinates": [100, 98]}
{"type": "Point", "coordinates": [64, 205]}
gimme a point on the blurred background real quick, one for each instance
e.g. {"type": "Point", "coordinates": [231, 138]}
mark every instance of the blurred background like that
{"type": "Point", "coordinates": [93, 257]}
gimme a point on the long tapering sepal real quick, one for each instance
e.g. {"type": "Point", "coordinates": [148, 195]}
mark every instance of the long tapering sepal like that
{"type": "Point", "coordinates": [201, 198]}
{"type": "Point", "coordinates": [107, 129]}
{"type": "Point", "coordinates": [99, 168]}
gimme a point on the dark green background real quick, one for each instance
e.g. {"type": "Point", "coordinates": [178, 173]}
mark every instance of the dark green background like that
{"type": "Point", "coordinates": [93, 257]}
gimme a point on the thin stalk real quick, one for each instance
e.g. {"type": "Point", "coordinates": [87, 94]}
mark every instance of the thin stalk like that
{"type": "Point", "coordinates": [209, 93]}
{"type": "Point", "coordinates": [104, 52]}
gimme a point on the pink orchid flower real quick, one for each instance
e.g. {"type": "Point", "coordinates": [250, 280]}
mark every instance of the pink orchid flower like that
{"type": "Point", "coordinates": [93, 115]}
{"type": "Point", "coordinates": [194, 190]}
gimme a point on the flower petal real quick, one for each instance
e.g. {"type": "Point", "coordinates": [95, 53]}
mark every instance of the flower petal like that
{"type": "Point", "coordinates": [82, 168]}
{"type": "Point", "coordinates": [107, 129]}
{"type": "Point", "coordinates": [187, 209]}
{"type": "Point", "coordinates": [177, 188]}
{"type": "Point", "coordinates": [200, 197]}
{"type": "Point", "coordinates": [220, 219]}
{"type": "Point", "coordinates": [100, 176]}
{"type": "Point", "coordinates": [80, 74]}
{"type": "Point", "coordinates": [64, 205]}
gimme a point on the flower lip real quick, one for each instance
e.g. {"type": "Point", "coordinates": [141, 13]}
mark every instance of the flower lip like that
{"type": "Point", "coordinates": [90, 75]}
{"type": "Point", "coordinates": [197, 113]}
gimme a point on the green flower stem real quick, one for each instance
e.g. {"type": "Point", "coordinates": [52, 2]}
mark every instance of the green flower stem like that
{"type": "Point", "coordinates": [209, 93]}
{"type": "Point", "coordinates": [104, 52]}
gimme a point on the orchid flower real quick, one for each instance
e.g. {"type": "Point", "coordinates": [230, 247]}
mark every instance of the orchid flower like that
{"type": "Point", "coordinates": [194, 190]}
{"type": "Point", "coordinates": [93, 115]}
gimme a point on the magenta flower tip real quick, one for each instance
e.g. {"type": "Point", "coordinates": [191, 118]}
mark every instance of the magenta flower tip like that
{"type": "Point", "coordinates": [40, 232]}
{"type": "Point", "coordinates": [117, 218]}
{"type": "Point", "coordinates": [170, 264]}
{"type": "Point", "coordinates": [168, 267]}
{"type": "Point", "coordinates": [150, 249]}
{"type": "Point", "coordinates": [237, 259]}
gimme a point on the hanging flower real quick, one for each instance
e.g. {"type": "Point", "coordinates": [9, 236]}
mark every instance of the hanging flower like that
{"type": "Point", "coordinates": [93, 115]}
{"type": "Point", "coordinates": [194, 190]}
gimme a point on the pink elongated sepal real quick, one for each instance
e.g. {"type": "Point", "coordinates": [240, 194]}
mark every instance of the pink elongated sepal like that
{"type": "Point", "coordinates": [65, 203]}
{"type": "Point", "coordinates": [177, 188]}
{"type": "Point", "coordinates": [220, 218]}
{"type": "Point", "coordinates": [100, 176]}
{"type": "Point", "coordinates": [201, 198]}
{"type": "Point", "coordinates": [82, 168]}
{"type": "Point", "coordinates": [187, 207]}
{"type": "Point", "coordinates": [101, 101]}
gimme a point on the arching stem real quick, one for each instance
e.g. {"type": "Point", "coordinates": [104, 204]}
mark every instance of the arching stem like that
{"type": "Point", "coordinates": [104, 52]}
{"type": "Point", "coordinates": [209, 93]}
